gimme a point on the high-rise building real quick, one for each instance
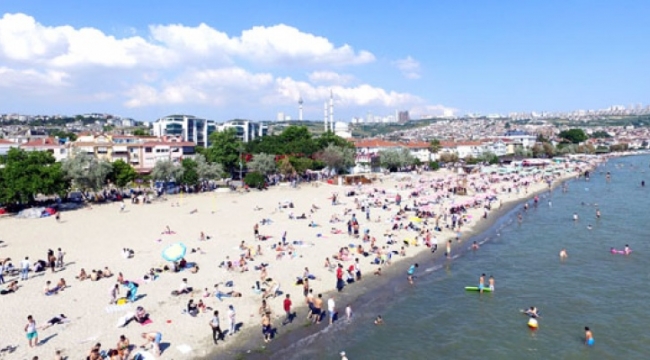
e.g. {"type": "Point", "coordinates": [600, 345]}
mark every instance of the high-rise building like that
{"type": "Point", "coordinates": [403, 116]}
{"type": "Point", "coordinates": [247, 130]}
{"type": "Point", "coordinates": [188, 127]}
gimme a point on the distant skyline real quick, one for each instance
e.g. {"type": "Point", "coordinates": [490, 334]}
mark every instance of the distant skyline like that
{"type": "Point", "coordinates": [253, 59]}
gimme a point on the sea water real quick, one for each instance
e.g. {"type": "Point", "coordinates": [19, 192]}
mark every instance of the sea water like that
{"type": "Point", "coordinates": [438, 319]}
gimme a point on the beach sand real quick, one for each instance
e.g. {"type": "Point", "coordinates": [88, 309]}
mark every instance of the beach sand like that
{"type": "Point", "coordinates": [93, 238]}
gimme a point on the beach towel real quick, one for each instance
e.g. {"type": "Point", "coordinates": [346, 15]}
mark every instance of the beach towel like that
{"type": "Point", "coordinates": [116, 308]}
{"type": "Point", "coordinates": [184, 348]}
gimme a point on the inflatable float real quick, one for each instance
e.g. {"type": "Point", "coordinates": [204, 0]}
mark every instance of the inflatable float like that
{"type": "Point", "coordinates": [475, 288]}
{"type": "Point", "coordinates": [532, 323]}
{"type": "Point", "coordinates": [620, 252]}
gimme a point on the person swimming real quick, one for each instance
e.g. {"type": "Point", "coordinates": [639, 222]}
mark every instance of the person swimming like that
{"type": "Point", "coordinates": [532, 312]}
{"type": "Point", "coordinates": [589, 337]}
{"type": "Point", "coordinates": [627, 249]}
{"type": "Point", "coordinates": [563, 254]}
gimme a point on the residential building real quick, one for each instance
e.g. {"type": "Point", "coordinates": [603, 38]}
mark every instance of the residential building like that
{"type": "Point", "coordinates": [5, 145]}
{"type": "Point", "coordinates": [140, 152]}
{"type": "Point", "coordinates": [49, 144]}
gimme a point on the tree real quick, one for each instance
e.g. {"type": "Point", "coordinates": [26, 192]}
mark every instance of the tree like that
{"type": "Point", "coordinates": [254, 180]}
{"type": "Point", "coordinates": [329, 138]}
{"type": "Point", "coordinates": [600, 134]}
{"type": "Point", "coordinates": [574, 136]}
{"type": "Point", "coordinates": [395, 159]}
{"type": "Point", "coordinates": [448, 157]}
{"type": "Point", "coordinates": [538, 150]}
{"type": "Point", "coordinates": [206, 170]}
{"type": "Point", "coordinates": [122, 173]}
{"type": "Point", "coordinates": [225, 149]}
{"type": "Point", "coordinates": [435, 146]}
{"type": "Point", "coordinates": [336, 157]}
{"type": "Point", "coordinates": [262, 163]}
{"type": "Point", "coordinates": [190, 176]}
{"type": "Point", "coordinates": [86, 172]}
{"type": "Point", "coordinates": [23, 175]}
{"type": "Point", "coordinates": [285, 167]}
{"type": "Point", "coordinates": [301, 164]}
{"type": "Point", "coordinates": [167, 171]}
{"type": "Point", "coordinates": [141, 132]}
{"type": "Point", "coordinates": [549, 149]}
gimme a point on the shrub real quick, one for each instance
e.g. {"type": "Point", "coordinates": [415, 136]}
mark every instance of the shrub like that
{"type": "Point", "coordinates": [254, 180]}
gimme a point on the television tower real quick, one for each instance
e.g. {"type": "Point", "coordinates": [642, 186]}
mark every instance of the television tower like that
{"type": "Point", "coordinates": [300, 108]}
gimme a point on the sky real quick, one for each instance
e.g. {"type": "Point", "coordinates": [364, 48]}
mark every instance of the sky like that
{"type": "Point", "coordinates": [252, 59]}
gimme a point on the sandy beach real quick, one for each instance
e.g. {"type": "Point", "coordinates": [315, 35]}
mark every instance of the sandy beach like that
{"type": "Point", "coordinates": [93, 238]}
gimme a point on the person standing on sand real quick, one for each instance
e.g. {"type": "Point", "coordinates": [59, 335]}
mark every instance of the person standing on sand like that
{"type": "Point", "coordinates": [267, 331]}
{"type": "Point", "coordinates": [256, 231]}
{"type": "Point", "coordinates": [30, 330]}
{"type": "Point", "coordinates": [217, 334]}
{"type": "Point", "coordinates": [318, 305]}
{"type": "Point", "coordinates": [231, 320]}
{"type": "Point", "coordinates": [286, 304]}
{"type": "Point", "coordinates": [339, 278]}
{"type": "Point", "coordinates": [59, 257]}
{"type": "Point", "coordinates": [331, 309]}
{"type": "Point", "coordinates": [24, 268]}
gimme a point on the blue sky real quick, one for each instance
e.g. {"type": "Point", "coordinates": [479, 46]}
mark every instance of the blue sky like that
{"type": "Point", "coordinates": [253, 59]}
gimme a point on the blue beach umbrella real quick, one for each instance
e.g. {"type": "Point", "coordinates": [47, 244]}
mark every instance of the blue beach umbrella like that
{"type": "Point", "coordinates": [174, 252]}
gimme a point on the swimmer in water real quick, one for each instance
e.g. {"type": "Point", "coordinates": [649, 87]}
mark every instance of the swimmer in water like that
{"type": "Point", "coordinates": [597, 214]}
{"type": "Point", "coordinates": [575, 217]}
{"type": "Point", "coordinates": [481, 283]}
{"type": "Point", "coordinates": [589, 227]}
{"type": "Point", "coordinates": [474, 245]}
{"type": "Point", "coordinates": [563, 254]}
{"type": "Point", "coordinates": [491, 283]}
{"type": "Point", "coordinates": [379, 320]}
{"type": "Point", "coordinates": [627, 250]}
{"type": "Point", "coordinates": [532, 312]}
{"type": "Point", "coordinates": [589, 337]}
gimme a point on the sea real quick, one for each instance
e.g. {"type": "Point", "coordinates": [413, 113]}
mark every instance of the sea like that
{"type": "Point", "coordinates": [437, 319]}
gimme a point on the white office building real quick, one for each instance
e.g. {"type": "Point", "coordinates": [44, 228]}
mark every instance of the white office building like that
{"type": "Point", "coordinates": [247, 130]}
{"type": "Point", "coordinates": [189, 128]}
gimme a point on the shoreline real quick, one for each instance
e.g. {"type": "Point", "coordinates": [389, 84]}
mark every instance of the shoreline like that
{"type": "Point", "coordinates": [390, 284]}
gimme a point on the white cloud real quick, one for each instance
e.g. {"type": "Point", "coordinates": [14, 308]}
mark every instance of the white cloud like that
{"type": "Point", "coordinates": [432, 110]}
{"type": "Point", "coordinates": [231, 85]}
{"type": "Point", "coordinates": [187, 65]}
{"type": "Point", "coordinates": [329, 77]}
{"type": "Point", "coordinates": [409, 67]}
{"type": "Point", "coordinates": [31, 78]}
